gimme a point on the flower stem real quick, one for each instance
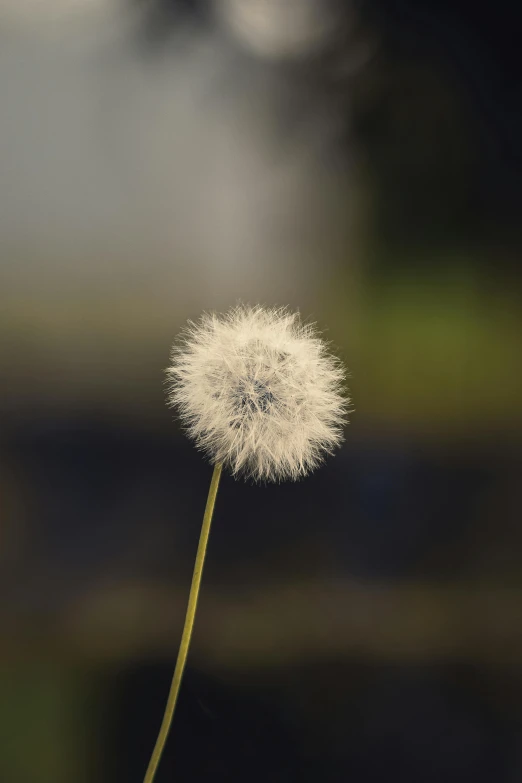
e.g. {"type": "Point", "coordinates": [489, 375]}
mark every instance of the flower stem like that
{"type": "Point", "coordinates": [187, 628]}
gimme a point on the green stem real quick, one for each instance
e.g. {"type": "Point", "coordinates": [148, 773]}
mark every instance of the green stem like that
{"type": "Point", "coordinates": [187, 628]}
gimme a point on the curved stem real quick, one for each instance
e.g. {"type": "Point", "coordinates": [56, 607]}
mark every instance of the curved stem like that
{"type": "Point", "coordinates": [187, 628]}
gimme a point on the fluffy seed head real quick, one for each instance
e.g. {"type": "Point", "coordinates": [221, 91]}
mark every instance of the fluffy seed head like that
{"type": "Point", "coordinates": [258, 391]}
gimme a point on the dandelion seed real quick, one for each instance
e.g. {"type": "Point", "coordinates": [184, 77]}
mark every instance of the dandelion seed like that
{"type": "Point", "coordinates": [259, 392]}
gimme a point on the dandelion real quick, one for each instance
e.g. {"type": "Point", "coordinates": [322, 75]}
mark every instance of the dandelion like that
{"type": "Point", "coordinates": [258, 391]}
{"type": "Point", "coordinates": [261, 395]}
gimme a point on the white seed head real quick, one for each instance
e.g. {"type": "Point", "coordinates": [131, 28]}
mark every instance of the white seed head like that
{"type": "Point", "coordinates": [259, 392]}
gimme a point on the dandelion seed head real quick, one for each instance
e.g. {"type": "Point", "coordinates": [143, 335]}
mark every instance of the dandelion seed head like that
{"type": "Point", "coordinates": [259, 391]}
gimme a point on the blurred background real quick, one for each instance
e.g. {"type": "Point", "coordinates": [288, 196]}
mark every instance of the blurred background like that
{"type": "Point", "coordinates": [360, 161]}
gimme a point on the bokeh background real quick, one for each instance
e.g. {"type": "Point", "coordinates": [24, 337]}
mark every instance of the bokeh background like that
{"type": "Point", "coordinates": [360, 161]}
